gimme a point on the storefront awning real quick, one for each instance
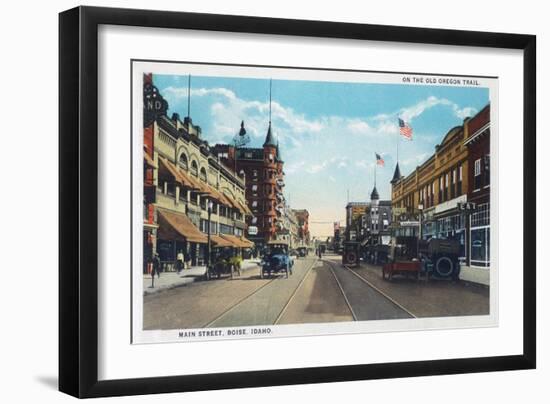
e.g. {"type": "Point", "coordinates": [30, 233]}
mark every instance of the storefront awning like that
{"type": "Point", "coordinates": [149, 161]}
{"type": "Point", "coordinates": [235, 241]}
{"type": "Point", "coordinates": [176, 173]}
{"type": "Point", "coordinates": [220, 241]}
{"type": "Point", "coordinates": [173, 225]}
{"type": "Point", "coordinates": [246, 242]}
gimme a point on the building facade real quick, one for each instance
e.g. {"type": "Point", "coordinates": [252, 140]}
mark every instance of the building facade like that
{"type": "Point", "coordinates": [437, 193]}
{"type": "Point", "coordinates": [263, 170]}
{"type": "Point", "coordinates": [302, 218]}
{"type": "Point", "coordinates": [193, 192]}
{"type": "Point", "coordinates": [377, 220]}
{"type": "Point", "coordinates": [479, 191]}
{"type": "Point", "coordinates": [436, 188]}
{"type": "Point", "coordinates": [355, 217]}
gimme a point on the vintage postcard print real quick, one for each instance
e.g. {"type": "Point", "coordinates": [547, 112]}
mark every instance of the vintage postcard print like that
{"type": "Point", "coordinates": [272, 202]}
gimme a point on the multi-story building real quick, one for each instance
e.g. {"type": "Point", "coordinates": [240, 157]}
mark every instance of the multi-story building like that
{"type": "Point", "coordinates": [263, 170]}
{"type": "Point", "coordinates": [302, 217]}
{"type": "Point", "coordinates": [288, 227]}
{"type": "Point", "coordinates": [479, 182]}
{"type": "Point", "coordinates": [376, 220]}
{"type": "Point", "coordinates": [355, 213]}
{"type": "Point", "coordinates": [436, 192]}
{"type": "Point", "coordinates": [194, 193]}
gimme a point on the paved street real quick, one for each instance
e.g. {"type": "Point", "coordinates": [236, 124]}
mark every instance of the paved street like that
{"type": "Point", "coordinates": [319, 291]}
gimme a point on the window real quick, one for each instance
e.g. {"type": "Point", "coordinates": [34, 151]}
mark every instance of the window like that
{"type": "Point", "coordinates": [254, 188]}
{"type": "Point", "coordinates": [225, 229]}
{"type": "Point", "coordinates": [459, 182]}
{"type": "Point", "coordinates": [486, 170]}
{"type": "Point", "coordinates": [477, 167]}
{"type": "Point", "coordinates": [440, 197]}
{"type": "Point", "coordinates": [255, 174]}
{"type": "Point", "coordinates": [183, 160]}
{"type": "Point", "coordinates": [203, 174]}
{"type": "Point", "coordinates": [254, 220]}
{"type": "Point", "coordinates": [477, 174]}
{"type": "Point", "coordinates": [194, 168]}
{"type": "Point", "coordinates": [254, 204]}
{"type": "Point", "coordinates": [480, 247]}
{"type": "Point", "coordinates": [445, 190]}
{"type": "Point", "coordinates": [453, 182]}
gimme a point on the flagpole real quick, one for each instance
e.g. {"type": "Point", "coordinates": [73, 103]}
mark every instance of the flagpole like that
{"type": "Point", "coordinates": [375, 173]}
{"type": "Point", "coordinates": [397, 146]}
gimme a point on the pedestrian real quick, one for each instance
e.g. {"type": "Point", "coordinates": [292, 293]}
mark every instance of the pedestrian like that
{"type": "Point", "coordinates": [156, 266]}
{"type": "Point", "coordinates": [187, 258]}
{"type": "Point", "coordinates": [179, 261]}
{"type": "Point", "coordinates": [320, 253]}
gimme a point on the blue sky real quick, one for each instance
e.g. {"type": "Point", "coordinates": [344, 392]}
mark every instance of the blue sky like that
{"type": "Point", "coordinates": [328, 132]}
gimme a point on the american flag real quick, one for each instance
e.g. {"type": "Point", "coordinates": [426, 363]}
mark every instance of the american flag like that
{"type": "Point", "coordinates": [379, 160]}
{"type": "Point", "coordinates": [405, 129]}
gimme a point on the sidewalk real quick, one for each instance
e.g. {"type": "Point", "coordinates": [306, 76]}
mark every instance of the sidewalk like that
{"type": "Point", "coordinates": [169, 280]}
{"type": "Point", "coordinates": [475, 275]}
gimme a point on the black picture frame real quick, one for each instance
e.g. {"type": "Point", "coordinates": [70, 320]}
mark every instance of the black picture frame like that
{"type": "Point", "coordinates": [78, 200]}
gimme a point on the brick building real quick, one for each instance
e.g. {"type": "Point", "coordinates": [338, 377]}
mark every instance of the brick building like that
{"type": "Point", "coordinates": [458, 172]}
{"type": "Point", "coordinates": [439, 186]}
{"type": "Point", "coordinates": [263, 170]}
{"type": "Point", "coordinates": [479, 181]}
{"type": "Point", "coordinates": [302, 217]}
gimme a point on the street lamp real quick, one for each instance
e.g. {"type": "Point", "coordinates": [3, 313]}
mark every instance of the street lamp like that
{"type": "Point", "coordinates": [210, 205]}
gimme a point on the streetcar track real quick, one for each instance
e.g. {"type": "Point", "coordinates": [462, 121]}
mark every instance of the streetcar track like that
{"type": "Point", "coordinates": [380, 292]}
{"type": "Point", "coordinates": [238, 303]}
{"type": "Point", "coordinates": [294, 293]}
{"type": "Point", "coordinates": [253, 293]}
{"type": "Point", "coordinates": [342, 290]}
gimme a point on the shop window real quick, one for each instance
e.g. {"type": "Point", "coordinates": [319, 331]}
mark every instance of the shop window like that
{"type": "Point", "coordinates": [480, 247]}
{"type": "Point", "coordinates": [171, 188]}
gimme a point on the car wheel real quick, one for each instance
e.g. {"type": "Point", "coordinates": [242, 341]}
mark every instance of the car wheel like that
{"type": "Point", "coordinates": [444, 266]}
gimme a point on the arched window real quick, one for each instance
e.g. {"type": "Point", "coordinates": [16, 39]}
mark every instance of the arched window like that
{"type": "Point", "coordinates": [183, 160]}
{"type": "Point", "coordinates": [203, 174]}
{"type": "Point", "coordinates": [194, 168]}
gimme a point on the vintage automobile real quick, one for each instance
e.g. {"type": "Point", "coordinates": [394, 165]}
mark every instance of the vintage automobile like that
{"type": "Point", "coordinates": [276, 260]}
{"type": "Point", "coordinates": [224, 266]}
{"type": "Point", "coordinates": [302, 251]}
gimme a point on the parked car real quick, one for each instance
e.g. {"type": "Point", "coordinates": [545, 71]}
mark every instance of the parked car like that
{"type": "Point", "coordinates": [276, 260]}
{"type": "Point", "coordinates": [224, 266]}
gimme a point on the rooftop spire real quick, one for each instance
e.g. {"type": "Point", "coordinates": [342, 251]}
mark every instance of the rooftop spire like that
{"type": "Point", "coordinates": [269, 139]}
{"type": "Point", "coordinates": [396, 174]}
{"type": "Point", "coordinates": [278, 154]}
{"type": "Point", "coordinates": [374, 195]}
